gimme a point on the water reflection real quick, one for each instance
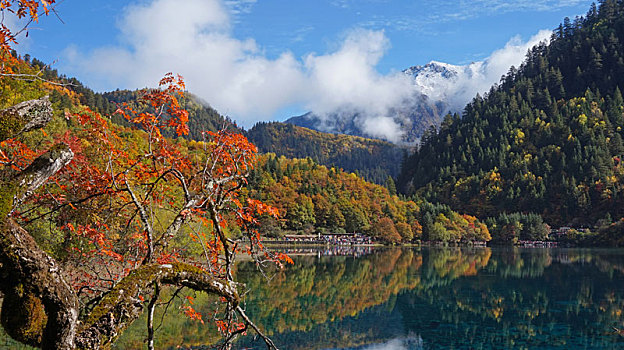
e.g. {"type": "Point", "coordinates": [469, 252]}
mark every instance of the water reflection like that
{"type": "Point", "coordinates": [342, 250]}
{"type": "Point", "coordinates": [403, 343]}
{"type": "Point", "coordinates": [428, 298]}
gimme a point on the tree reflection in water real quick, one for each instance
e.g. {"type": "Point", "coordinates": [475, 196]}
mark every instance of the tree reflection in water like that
{"type": "Point", "coordinates": [429, 298]}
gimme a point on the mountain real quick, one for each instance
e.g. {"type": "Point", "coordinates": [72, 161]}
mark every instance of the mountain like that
{"type": "Point", "coordinates": [374, 160]}
{"type": "Point", "coordinates": [414, 116]}
{"type": "Point", "coordinates": [547, 139]}
{"type": "Point", "coordinates": [438, 88]}
{"type": "Point", "coordinates": [446, 83]}
{"type": "Point", "coordinates": [426, 93]}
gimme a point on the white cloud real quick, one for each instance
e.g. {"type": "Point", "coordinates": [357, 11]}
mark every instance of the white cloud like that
{"type": "Point", "coordinates": [347, 79]}
{"type": "Point", "coordinates": [194, 38]}
{"type": "Point", "coordinates": [382, 127]}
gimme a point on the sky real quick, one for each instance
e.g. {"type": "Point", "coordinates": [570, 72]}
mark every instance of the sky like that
{"type": "Point", "coordinates": [258, 60]}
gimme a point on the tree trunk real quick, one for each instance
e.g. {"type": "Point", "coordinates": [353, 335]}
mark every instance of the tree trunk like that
{"type": "Point", "coordinates": [39, 307]}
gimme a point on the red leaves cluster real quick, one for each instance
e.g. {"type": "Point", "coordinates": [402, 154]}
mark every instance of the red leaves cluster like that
{"type": "Point", "coordinates": [16, 154]}
{"type": "Point", "coordinates": [28, 9]}
{"type": "Point", "coordinates": [115, 202]}
{"type": "Point", "coordinates": [190, 312]}
{"type": "Point", "coordinates": [165, 110]}
{"type": "Point", "coordinates": [96, 238]}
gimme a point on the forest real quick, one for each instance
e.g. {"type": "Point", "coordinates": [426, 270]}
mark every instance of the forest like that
{"type": "Point", "coordinates": [546, 140]}
{"type": "Point", "coordinates": [373, 160]}
{"type": "Point", "coordinates": [314, 198]}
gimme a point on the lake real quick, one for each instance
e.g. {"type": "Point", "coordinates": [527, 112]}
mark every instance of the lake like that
{"type": "Point", "coordinates": [422, 298]}
{"type": "Point", "coordinates": [427, 298]}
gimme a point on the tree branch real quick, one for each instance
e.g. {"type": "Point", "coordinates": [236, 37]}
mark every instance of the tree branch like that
{"type": "Point", "coordinates": [122, 305]}
{"type": "Point", "coordinates": [39, 171]}
{"type": "Point", "coordinates": [150, 317]}
{"type": "Point", "coordinates": [269, 343]}
{"type": "Point", "coordinates": [25, 116]}
{"type": "Point", "coordinates": [146, 223]}
{"type": "Point", "coordinates": [175, 225]}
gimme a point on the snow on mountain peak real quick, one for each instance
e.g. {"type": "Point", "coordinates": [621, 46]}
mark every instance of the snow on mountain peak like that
{"type": "Point", "coordinates": [446, 82]}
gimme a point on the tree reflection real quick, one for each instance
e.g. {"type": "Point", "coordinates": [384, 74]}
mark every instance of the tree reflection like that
{"type": "Point", "coordinates": [446, 297]}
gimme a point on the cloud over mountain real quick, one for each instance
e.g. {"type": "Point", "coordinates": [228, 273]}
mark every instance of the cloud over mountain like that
{"type": "Point", "coordinates": [457, 85]}
{"type": "Point", "coordinates": [195, 39]}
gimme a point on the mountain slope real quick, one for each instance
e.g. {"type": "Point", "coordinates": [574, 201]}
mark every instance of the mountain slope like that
{"type": "Point", "coordinates": [548, 139]}
{"type": "Point", "coordinates": [374, 160]}
{"type": "Point", "coordinates": [436, 89]}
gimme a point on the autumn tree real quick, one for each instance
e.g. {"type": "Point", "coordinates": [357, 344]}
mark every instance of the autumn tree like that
{"type": "Point", "coordinates": [131, 211]}
{"type": "Point", "coordinates": [405, 230]}
{"type": "Point", "coordinates": [385, 229]}
{"type": "Point", "coordinates": [121, 206]}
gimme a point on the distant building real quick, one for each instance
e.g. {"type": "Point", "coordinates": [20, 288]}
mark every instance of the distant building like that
{"type": "Point", "coordinates": [302, 238]}
{"type": "Point", "coordinates": [560, 231]}
{"type": "Point", "coordinates": [346, 238]}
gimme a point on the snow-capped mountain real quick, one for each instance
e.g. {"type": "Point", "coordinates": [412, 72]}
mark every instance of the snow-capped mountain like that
{"type": "Point", "coordinates": [437, 89]}
{"type": "Point", "coordinates": [432, 83]}
{"type": "Point", "coordinates": [446, 82]}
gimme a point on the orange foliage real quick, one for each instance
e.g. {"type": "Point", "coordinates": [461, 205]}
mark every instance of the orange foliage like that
{"type": "Point", "coordinates": [22, 9]}
{"type": "Point", "coordinates": [130, 193]}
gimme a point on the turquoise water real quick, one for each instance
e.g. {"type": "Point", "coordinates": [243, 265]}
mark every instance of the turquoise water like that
{"type": "Point", "coordinates": [446, 299]}
{"type": "Point", "coordinates": [429, 298]}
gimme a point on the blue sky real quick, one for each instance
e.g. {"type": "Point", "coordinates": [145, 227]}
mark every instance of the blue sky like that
{"type": "Point", "coordinates": [269, 59]}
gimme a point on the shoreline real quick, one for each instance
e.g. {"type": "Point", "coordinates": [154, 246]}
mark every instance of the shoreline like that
{"type": "Point", "coordinates": [527, 244]}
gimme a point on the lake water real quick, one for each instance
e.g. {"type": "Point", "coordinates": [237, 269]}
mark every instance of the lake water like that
{"type": "Point", "coordinates": [429, 298]}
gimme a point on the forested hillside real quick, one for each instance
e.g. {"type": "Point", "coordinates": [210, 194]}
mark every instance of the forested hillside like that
{"type": "Point", "coordinates": [312, 198]}
{"type": "Point", "coordinates": [202, 117]}
{"type": "Point", "coordinates": [547, 139]}
{"type": "Point", "coordinates": [374, 160]}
